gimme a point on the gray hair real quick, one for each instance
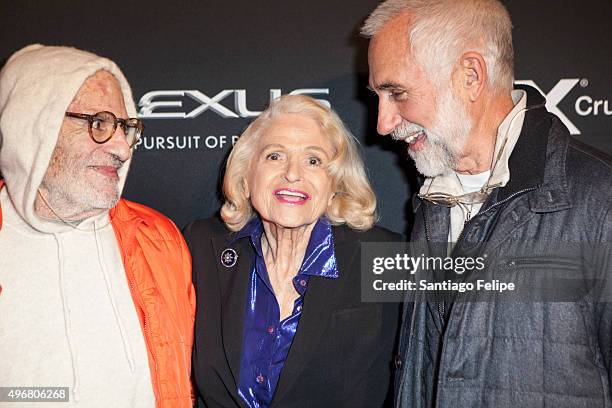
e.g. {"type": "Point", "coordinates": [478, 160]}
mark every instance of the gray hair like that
{"type": "Point", "coordinates": [442, 30]}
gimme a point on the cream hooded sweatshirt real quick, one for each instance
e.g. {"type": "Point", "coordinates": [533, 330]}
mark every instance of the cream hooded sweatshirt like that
{"type": "Point", "coordinates": [67, 318]}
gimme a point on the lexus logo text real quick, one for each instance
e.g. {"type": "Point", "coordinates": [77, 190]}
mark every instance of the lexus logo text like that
{"type": "Point", "coordinates": [153, 101]}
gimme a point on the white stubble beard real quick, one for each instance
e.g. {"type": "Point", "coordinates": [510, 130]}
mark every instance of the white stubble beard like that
{"type": "Point", "coordinates": [69, 191]}
{"type": "Point", "coordinates": [446, 138]}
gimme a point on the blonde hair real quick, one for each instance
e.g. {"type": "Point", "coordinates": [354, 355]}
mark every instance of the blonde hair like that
{"type": "Point", "coordinates": [354, 202]}
{"type": "Point", "coordinates": [440, 31]}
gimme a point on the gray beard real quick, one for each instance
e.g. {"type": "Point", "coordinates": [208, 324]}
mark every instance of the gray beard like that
{"type": "Point", "coordinates": [446, 139]}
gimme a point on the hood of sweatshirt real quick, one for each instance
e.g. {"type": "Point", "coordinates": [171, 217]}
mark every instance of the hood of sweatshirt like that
{"type": "Point", "coordinates": [37, 85]}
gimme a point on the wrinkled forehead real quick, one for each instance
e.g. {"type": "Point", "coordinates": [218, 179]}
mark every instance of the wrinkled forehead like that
{"type": "Point", "coordinates": [295, 129]}
{"type": "Point", "coordinates": [99, 92]}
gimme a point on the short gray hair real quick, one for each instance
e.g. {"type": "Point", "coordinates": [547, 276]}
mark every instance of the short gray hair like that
{"type": "Point", "coordinates": [441, 30]}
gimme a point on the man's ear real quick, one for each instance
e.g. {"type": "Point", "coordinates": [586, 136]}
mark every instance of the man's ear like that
{"type": "Point", "coordinates": [471, 76]}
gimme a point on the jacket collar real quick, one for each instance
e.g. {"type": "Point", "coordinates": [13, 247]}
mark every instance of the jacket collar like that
{"type": "Point", "coordinates": [126, 223]}
{"type": "Point", "coordinates": [538, 160]}
{"type": "Point", "coordinates": [122, 212]}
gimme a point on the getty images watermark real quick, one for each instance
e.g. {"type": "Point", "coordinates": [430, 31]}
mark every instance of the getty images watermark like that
{"type": "Point", "coordinates": [432, 264]}
{"type": "Point", "coordinates": [524, 272]}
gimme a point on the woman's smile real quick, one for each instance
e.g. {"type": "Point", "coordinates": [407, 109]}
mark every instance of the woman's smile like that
{"type": "Point", "coordinates": [291, 196]}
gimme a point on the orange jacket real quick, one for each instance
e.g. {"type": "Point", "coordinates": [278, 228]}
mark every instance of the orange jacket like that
{"type": "Point", "coordinates": [158, 269]}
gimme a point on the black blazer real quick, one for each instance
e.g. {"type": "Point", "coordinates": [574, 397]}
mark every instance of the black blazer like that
{"type": "Point", "coordinates": [342, 352]}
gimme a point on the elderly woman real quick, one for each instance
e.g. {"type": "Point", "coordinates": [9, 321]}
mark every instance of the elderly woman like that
{"type": "Point", "coordinates": [279, 318]}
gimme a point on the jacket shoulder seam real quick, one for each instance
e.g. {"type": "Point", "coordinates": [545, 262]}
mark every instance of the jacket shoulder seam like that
{"type": "Point", "coordinates": [591, 155]}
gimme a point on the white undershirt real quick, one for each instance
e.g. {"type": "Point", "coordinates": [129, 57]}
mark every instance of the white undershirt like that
{"type": "Point", "coordinates": [458, 214]}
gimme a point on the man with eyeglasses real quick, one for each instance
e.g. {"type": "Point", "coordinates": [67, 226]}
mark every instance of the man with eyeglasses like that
{"type": "Point", "coordinates": [503, 177]}
{"type": "Point", "coordinates": [95, 291]}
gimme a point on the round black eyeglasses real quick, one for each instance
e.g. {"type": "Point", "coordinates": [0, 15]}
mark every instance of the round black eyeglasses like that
{"type": "Point", "coordinates": [102, 126]}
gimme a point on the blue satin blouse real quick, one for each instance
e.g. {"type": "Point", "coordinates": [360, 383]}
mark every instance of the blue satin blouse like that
{"type": "Point", "coordinates": [266, 340]}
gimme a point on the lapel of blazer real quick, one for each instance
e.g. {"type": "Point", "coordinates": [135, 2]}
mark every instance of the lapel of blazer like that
{"type": "Point", "coordinates": [320, 300]}
{"type": "Point", "coordinates": [233, 283]}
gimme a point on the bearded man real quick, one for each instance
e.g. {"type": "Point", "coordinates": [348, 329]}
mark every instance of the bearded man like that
{"type": "Point", "coordinates": [502, 174]}
{"type": "Point", "coordinates": [96, 293]}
